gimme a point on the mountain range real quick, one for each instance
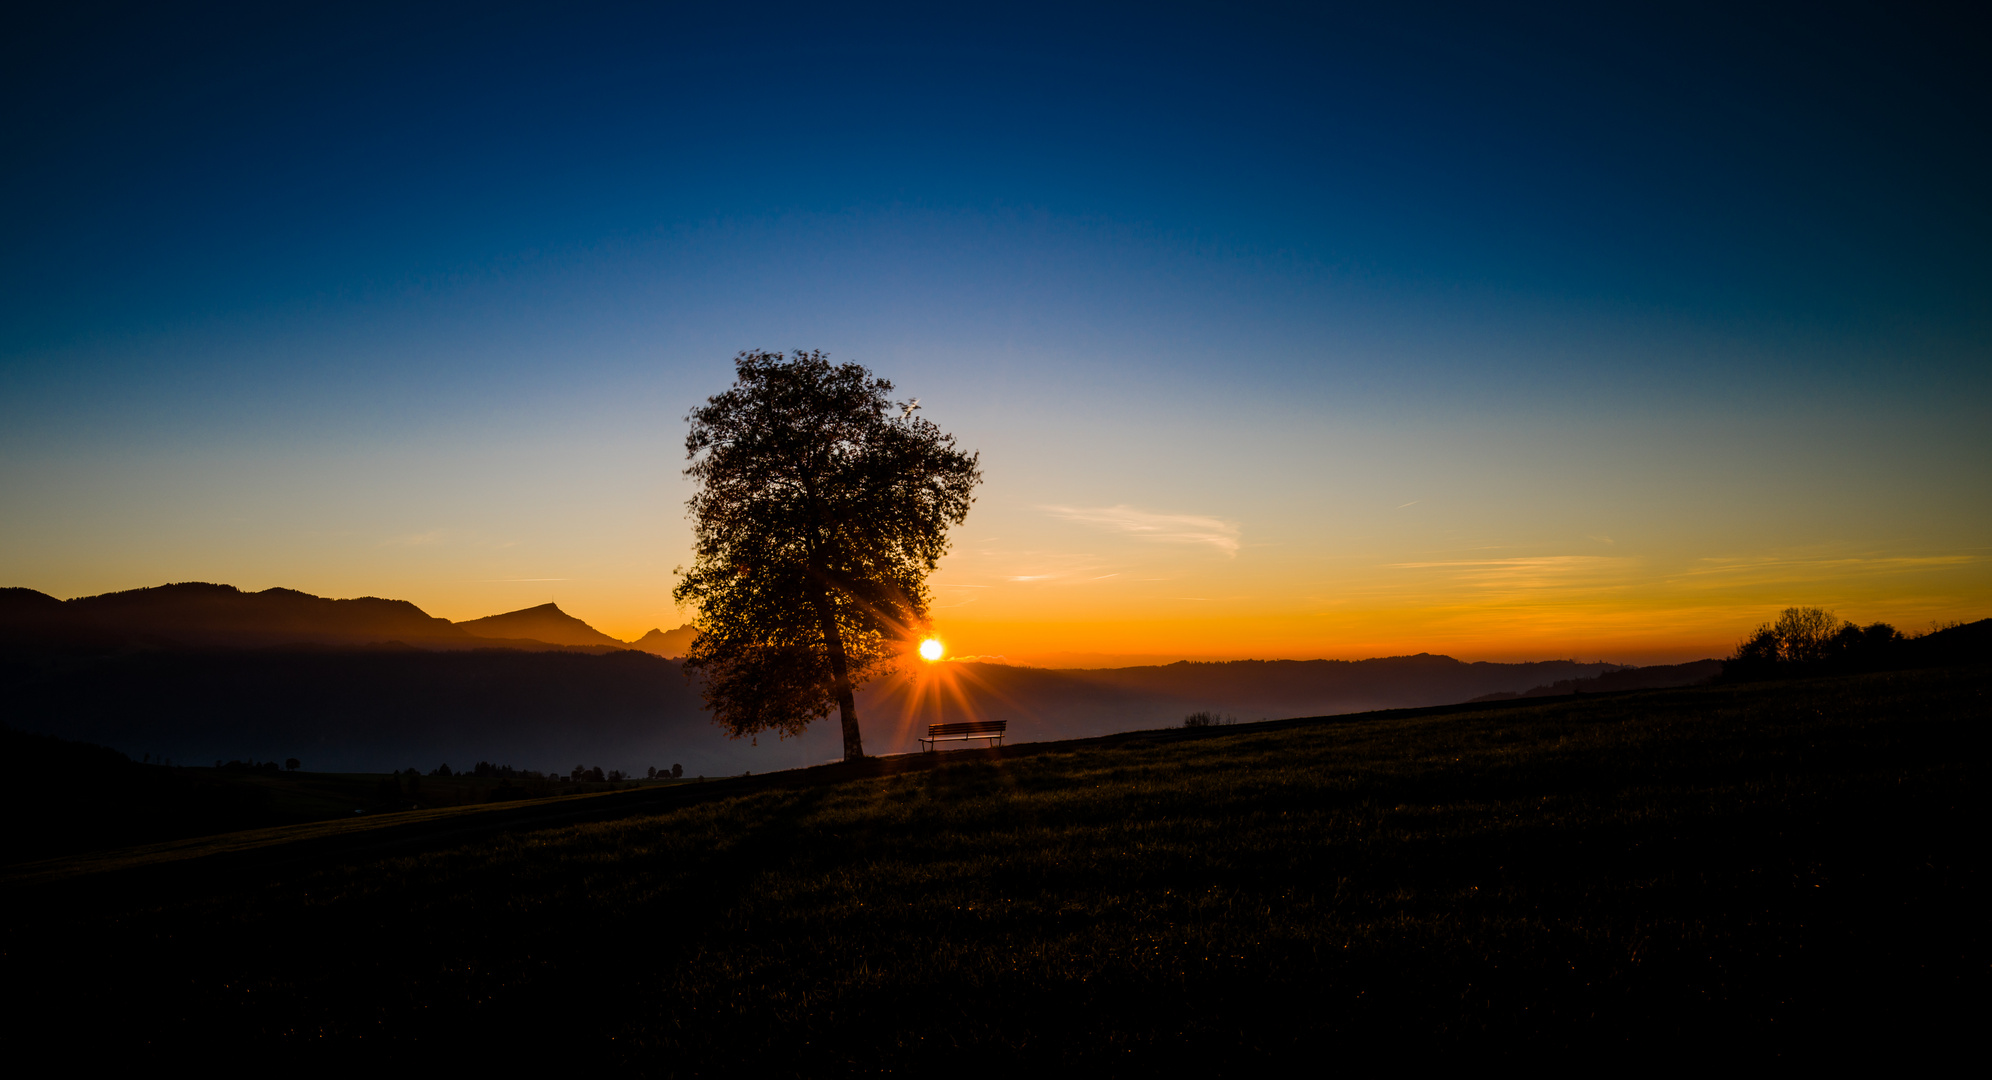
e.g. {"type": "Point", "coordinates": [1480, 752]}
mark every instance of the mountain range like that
{"type": "Point", "coordinates": [199, 614]}
{"type": "Point", "coordinates": [197, 673]}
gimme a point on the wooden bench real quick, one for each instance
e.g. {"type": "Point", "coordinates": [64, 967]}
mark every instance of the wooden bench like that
{"type": "Point", "coordinates": [974, 729]}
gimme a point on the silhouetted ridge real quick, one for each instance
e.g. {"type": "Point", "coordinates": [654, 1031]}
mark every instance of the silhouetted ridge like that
{"type": "Point", "coordinates": [196, 614]}
{"type": "Point", "coordinates": [27, 603]}
{"type": "Point", "coordinates": [543, 623]}
{"type": "Point", "coordinates": [1654, 677]}
{"type": "Point", "coordinates": [1970, 643]}
{"type": "Point", "coordinates": [200, 613]}
{"type": "Point", "coordinates": [674, 644]}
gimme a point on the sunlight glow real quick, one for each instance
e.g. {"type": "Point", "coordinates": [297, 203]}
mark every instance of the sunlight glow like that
{"type": "Point", "coordinates": [930, 649]}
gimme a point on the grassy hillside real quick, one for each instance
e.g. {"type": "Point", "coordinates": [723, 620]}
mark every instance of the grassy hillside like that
{"type": "Point", "coordinates": [1774, 870]}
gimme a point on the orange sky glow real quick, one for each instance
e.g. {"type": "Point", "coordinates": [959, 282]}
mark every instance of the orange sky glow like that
{"type": "Point", "coordinates": [1385, 348]}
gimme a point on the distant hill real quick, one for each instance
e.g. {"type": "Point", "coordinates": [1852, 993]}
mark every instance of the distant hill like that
{"type": "Point", "coordinates": [1965, 643]}
{"type": "Point", "coordinates": [676, 643]}
{"type": "Point", "coordinates": [199, 672]}
{"type": "Point", "coordinates": [543, 623]}
{"type": "Point", "coordinates": [201, 614]}
{"type": "Point", "coordinates": [1656, 677]}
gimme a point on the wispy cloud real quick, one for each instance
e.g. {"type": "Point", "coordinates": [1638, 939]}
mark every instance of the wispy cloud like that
{"type": "Point", "coordinates": [1778, 569]}
{"type": "Point", "coordinates": [1530, 572]}
{"type": "Point", "coordinates": [1191, 529]}
{"type": "Point", "coordinates": [1035, 568]}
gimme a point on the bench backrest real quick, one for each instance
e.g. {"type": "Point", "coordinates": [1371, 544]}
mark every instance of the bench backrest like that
{"type": "Point", "coordinates": [972, 727]}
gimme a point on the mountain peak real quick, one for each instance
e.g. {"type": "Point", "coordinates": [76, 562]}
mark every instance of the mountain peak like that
{"type": "Point", "coordinates": [543, 622]}
{"type": "Point", "coordinates": [676, 643]}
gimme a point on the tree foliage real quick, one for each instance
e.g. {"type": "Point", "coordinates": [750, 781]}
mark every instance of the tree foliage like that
{"type": "Point", "coordinates": [822, 506]}
{"type": "Point", "coordinates": [1813, 641]}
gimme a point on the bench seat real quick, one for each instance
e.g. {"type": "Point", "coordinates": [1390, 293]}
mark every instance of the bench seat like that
{"type": "Point", "coordinates": [974, 729]}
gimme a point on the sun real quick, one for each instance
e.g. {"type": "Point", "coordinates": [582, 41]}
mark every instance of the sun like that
{"type": "Point", "coordinates": [930, 649]}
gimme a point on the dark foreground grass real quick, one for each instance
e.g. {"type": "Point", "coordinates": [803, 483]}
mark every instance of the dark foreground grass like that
{"type": "Point", "coordinates": [1773, 871]}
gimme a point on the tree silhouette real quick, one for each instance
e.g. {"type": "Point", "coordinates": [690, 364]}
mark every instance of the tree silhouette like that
{"type": "Point", "coordinates": [1813, 641]}
{"type": "Point", "coordinates": [822, 507]}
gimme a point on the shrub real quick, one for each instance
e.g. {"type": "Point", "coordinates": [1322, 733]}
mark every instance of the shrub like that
{"type": "Point", "coordinates": [1813, 641]}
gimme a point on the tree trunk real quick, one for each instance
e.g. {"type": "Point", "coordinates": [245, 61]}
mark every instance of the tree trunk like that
{"type": "Point", "coordinates": [847, 705]}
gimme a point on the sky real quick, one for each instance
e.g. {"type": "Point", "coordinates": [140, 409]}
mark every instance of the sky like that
{"type": "Point", "coordinates": [1297, 331]}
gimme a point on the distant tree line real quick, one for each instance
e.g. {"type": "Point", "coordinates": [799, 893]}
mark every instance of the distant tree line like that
{"type": "Point", "coordinates": [485, 768]}
{"type": "Point", "coordinates": [1808, 641]}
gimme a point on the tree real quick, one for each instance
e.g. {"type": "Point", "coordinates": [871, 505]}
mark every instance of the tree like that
{"type": "Point", "coordinates": [822, 506]}
{"type": "Point", "coordinates": [1799, 638]}
{"type": "Point", "coordinates": [1813, 641]}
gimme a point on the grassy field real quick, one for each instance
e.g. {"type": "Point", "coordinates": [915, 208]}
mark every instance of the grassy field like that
{"type": "Point", "coordinates": [1777, 871]}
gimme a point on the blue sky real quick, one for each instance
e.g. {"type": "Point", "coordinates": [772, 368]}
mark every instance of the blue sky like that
{"type": "Point", "coordinates": [372, 300]}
